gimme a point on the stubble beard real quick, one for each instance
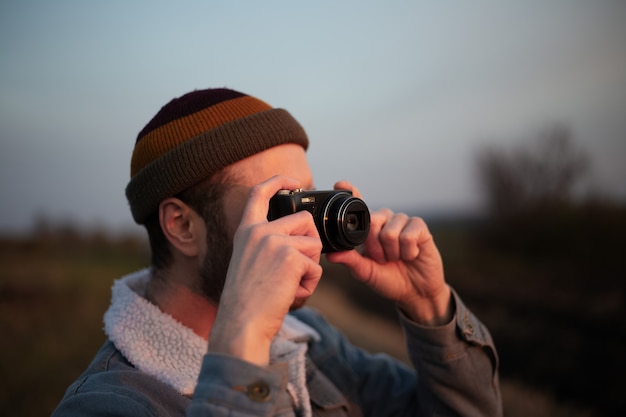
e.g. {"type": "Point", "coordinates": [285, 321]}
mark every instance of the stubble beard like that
{"type": "Point", "coordinates": [216, 261]}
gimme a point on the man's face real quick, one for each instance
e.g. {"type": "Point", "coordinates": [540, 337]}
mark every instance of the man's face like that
{"type": "Point", "coordinates": [288, 160]}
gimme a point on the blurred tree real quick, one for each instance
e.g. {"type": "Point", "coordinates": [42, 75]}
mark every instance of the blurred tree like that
{"type": "Point", "coordinates": [529, 191]}
{"type": "Point", "coordinates": [555, 268]}
{"type": "Point", "coordinates": [541, 174]}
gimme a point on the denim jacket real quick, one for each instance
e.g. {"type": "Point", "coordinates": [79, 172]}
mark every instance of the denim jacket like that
{"type": "Point", "coordinates": [454, 373]}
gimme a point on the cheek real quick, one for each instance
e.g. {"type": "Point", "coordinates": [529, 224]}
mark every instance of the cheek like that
{"type": "Point", "coordinates": [233, 205]}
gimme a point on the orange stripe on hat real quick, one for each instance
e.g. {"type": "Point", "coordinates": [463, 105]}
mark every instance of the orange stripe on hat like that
{"type": "Point", "coordinates": [195, 136]}
{"type": "Point", "coordinates": [164, 138]}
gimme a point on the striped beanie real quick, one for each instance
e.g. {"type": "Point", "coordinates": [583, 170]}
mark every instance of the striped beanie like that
{"type": "Point", "coordinates": [196, 135]}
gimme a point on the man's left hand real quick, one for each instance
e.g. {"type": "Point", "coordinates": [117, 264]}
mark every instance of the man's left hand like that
{"type": "Point", "coordinates": [401, 262]}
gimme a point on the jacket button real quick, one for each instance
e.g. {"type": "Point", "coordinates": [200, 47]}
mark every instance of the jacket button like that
{"type": "Point", "coordinates": [468, 328]}
{"type": "Point", "coordinates": [258, 391]}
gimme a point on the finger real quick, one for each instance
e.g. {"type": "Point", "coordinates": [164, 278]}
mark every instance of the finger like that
{"type": "Point", "coordinates": [311, 247]}
{"type": "Point", "coordinates": [410, 238]}
{"type": "Point", "coordinates": [311, 275]}
{"type": "Point", "coordinates": [347, 185]}
{"type": "Point", "coordinates": [360, 266]}
{"type": "Point", "coordinates": [273, 239]}
{"type": "Point", "coordinates": [257, 205]}
{"type": "Point", "coordinates": [373, 245]}
{"type": "Point", "coordinates": [300, 223]}
{"type": "Point", "coordinates": [389, 235]}
{"type": "Point", "coordinates": [424, 240]}
{"type": "Point", "coordinates": [298, 262]}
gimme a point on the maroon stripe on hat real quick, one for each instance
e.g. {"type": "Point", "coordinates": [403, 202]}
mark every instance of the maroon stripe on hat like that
{"type": "Point", "coordinates": [188, 104]}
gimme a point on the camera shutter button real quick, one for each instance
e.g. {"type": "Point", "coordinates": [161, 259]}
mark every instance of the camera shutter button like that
{"type": "Point", "coordinates": [288, 192]}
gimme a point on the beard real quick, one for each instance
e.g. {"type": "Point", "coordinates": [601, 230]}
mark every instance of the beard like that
{"type": "Point", "coordinates": [215, 264]}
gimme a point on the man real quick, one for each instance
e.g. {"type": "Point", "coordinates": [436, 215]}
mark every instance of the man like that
{"type": "Point", "coordinates": [202, 174]}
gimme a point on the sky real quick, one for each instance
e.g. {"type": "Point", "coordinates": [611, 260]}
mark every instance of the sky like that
{"type": "Point", "coordinates": [396, 96]}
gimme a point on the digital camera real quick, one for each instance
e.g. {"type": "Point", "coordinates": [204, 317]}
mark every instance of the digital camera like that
{"type": "Point", "coordinates": [343, 221]}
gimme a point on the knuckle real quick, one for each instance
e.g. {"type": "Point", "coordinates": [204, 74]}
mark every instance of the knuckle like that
{"type": "Point", "coordinates": [256, 192]}
{"type": "Point", "coordinates": [242, 233]}
{"type": "Point", "coordinates": [256, 233]}
{"type": "Point", "coordinates": [289, 254]}
{"type": "Point", "coordinates": [407, 238]}
{"type": "Point", "coordinates": [272, 243]}
{"type": "Point", "coordinates": [419, 222]}
{"type": "Point", "coordinates": [386, 212]}
{"type": "Point", "coordinates": [402, 217]}
{"type": "Point", "coordinates": [388, 235]}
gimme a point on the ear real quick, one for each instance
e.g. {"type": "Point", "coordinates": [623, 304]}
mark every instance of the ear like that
{"type": "Point", "coordinates": [182, 226]}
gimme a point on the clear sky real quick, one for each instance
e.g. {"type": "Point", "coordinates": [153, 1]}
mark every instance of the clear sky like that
{"type": "Point", "coordinates": [396, 96]}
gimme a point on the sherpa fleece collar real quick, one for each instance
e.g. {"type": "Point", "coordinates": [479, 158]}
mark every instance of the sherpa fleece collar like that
{"type": "Point", "coordinates": [155, 343]}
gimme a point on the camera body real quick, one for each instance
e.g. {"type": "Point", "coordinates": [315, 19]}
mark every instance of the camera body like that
{"type": "Point", "coordinates": [343, 221]}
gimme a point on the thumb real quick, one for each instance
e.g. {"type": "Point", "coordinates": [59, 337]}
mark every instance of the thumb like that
{"type": "Point", "coordinates": [360, 266]}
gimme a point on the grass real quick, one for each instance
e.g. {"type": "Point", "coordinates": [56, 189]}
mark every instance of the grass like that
{"type": "Point", "coordinates": [560, 336]}
{"type": "Point", "coordinates": [53, 294]}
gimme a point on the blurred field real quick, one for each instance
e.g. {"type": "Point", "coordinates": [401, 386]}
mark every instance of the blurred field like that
{"type": "Point", "coordinates": [558, 321]}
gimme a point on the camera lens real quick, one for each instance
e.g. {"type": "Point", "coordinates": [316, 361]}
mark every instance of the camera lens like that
{"type": "Point", "coordinates": [352, 222]}
{"type": "Point", "coordinates": [346, 221]}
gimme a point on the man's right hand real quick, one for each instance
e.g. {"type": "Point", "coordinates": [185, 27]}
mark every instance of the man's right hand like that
{"type": "Point", "coordinates": [273, 265]}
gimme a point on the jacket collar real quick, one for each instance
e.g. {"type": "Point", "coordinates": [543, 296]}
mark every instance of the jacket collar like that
{"type": "Point", "coordinates": [157, 344]}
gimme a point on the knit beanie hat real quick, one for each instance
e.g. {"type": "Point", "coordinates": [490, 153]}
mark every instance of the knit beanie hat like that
{"type": "Point", "coordinates": [196, 135]}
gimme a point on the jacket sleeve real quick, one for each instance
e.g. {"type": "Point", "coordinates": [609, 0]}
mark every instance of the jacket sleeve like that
{"type": "Point", "coordinates": [454, 369]}
{"type": "Point", "coordinates": [457, 366]}
{"type": "Point", "coordinates": [455, 374]}
{"type": "Point", "coordinates": [228, 386]}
